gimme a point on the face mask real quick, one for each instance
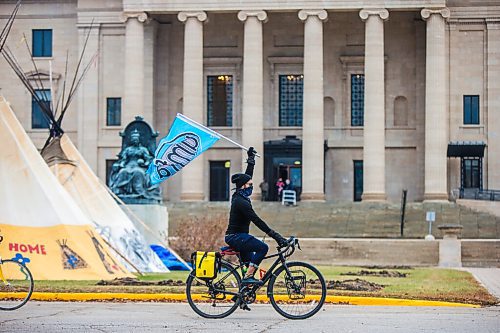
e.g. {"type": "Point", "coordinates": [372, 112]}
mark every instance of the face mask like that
{"type": "Point", "coordinates": [247, 192]}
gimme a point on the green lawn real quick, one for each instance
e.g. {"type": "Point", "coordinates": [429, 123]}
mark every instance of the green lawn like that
{"type": "Point", "coordinates": [420, 283]}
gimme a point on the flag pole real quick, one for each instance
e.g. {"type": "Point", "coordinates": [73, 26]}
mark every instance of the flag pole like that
{"type": "Point", "coordinates": [213, 132]}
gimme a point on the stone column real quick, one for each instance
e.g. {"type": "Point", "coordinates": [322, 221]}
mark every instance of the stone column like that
{"type": "Point", "coordinates": [150, 34]}
{"type": "Point", "coordinates": [374, 117]}
{"type": "Point", "coordinates": [88, 97]}
{"type": "Point", "coordinates": [133, 97]}
{"type": "Point", "coordinates": [252, 131]}
{"type": "Point", "coordinates": [313, 153]}
{"type": "Point", "coordinates": [192, 174]}
{"type": "Point", "coordinates": [493, 95]}
{"type": "Point", "coordinates": [436, 128]}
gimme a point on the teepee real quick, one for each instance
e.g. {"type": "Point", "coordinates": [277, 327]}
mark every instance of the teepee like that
{"type": "Point", "coordinates": [73, 172]}
{"type": "Point", "coordinates": [38, 218]}
{"type": "Point", "coordinates": [70, 168]}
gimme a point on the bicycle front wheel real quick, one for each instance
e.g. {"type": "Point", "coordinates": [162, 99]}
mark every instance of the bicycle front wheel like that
{"type": "Point", "coordinates": [214, 298]}
{"type": "Point", "coordinates": [16, 285]}
{"type": "Point", "coordinates": [298, 293]}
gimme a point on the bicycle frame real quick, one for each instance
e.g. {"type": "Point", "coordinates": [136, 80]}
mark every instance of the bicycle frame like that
{"type": "Point", "coordinates": [281, 254]}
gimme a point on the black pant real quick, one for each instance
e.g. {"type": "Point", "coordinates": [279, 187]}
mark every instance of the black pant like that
{"type": "Point", "coordinates": [251, 249]}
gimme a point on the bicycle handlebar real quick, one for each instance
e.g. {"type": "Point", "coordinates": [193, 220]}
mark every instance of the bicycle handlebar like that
{"type": "Point", "coordinates": [291, 243]}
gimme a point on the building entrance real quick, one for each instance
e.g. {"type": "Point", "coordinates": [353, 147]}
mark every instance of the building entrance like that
{"type": "Point", "coordinates": [283, 159]}
{"type": "Point", "coordinates": [219, 180]}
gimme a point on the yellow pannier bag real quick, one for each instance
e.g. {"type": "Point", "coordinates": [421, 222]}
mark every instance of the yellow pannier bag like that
{"type": "Point", "coordinates": [206, 264]}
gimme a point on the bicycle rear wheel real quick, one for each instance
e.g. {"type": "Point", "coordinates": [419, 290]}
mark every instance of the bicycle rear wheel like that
{"type": "Point", "coordinates": [16, 285]}
{"type": "Point", "coordinates": [300, 294]}
{"type": "Point", "coordinates": [207, 302]}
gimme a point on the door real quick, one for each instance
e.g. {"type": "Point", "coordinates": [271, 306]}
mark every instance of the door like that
{"type": "Point", "coordinates": [358, 180]}
{"type": "Point", "coordinates": [471, 176]}
{"type": "Point", "coordinates": [219, 180]}
{"type": "Point", "coordinates": [292, 172]}
{"type": "Point", "coordinates": [283, 159]}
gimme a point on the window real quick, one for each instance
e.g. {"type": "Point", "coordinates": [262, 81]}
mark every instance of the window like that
{"type": "Point", "coordinates": [471, 109]}
{"type": "Point", "coordinates": [357, 99]}
{"type": "Point", "coordinates": [42, 43]}
{"type": "Point", "coordinates": [358, 180]}
{"type": "Point", "coordinates": [291, 99]}
{"type": "Point", "coordinates": [471, 173]}
{"type": "Point", "coordinates": [113, 111]}
{"type": "Point", "coordinates": [38, 117]}
{"type": "Point", "coordinates": [220, 100]}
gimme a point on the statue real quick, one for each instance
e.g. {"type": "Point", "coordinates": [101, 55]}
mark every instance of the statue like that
{"type": "Point", "coordinates": [128, 178]}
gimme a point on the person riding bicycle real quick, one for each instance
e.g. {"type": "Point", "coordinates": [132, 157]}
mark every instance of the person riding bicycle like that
{"type": "Point", "coordinates": [237, 236]}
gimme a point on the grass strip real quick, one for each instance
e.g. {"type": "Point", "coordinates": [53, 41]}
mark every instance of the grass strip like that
{"type": "Point", "coordinates": [432, 284]}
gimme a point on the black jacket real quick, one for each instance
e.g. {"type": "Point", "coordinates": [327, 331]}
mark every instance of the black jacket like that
{"type": "Point", "coordinates": [242, 213]}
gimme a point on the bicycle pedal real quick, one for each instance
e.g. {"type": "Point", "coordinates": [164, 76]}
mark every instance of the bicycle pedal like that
{"type": "Point", "coordinates": [245, 307]}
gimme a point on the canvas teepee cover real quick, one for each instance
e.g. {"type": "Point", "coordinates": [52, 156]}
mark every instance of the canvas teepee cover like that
{"type": "Point", "coordinates": [38, 218]}
{"type": "Point", "coordinates": [73, 172]}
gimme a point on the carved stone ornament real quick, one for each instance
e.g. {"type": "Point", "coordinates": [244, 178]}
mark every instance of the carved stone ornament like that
{"type": "Point", "coordinates": [141, 16]}
{"type": "Point", "coordinates": [320, 13]}
{"type": "Point", "coordinates": [201, 16]}
{"type": "Point", "coordinates": [427, 12]}
{"type": "Point", "coordinates": [381, 12]}
{"type": "Point", "coordinates": [259, 14]}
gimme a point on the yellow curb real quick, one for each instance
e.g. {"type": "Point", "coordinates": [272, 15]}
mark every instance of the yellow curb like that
{"type": "Point", "coordinates": [347, 300]}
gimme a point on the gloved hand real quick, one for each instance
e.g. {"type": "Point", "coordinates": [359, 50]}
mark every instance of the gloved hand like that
{"type": "Point", "coordinates": [278, 238]}
{"type": "Point", "coordinates": [251, 155]}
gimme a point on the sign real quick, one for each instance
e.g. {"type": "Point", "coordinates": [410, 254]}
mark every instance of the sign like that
{"type": "Point", "coordinates": [430, 217]}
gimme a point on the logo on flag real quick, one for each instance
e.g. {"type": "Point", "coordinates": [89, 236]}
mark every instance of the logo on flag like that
{"type": "Point", "coordinates": [184, 142]}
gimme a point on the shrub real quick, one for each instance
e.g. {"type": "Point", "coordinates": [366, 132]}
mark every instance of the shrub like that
{"type": "Point", "coordinates": [205, 233]}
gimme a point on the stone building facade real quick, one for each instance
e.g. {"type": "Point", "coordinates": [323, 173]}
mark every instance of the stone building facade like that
{"type": "Point", "coordinates": [351, 100]}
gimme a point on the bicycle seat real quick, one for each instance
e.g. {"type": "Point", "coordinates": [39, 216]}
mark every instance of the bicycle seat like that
{"type": "Point", "coordinates": [228, 251]}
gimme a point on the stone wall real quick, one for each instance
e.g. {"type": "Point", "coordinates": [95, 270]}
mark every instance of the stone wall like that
{"type": "Point", "coordinates": [353, 220]}
{"type": "Point", "coordinates": [480, 253]}
{"type": "Point", "coordinates": [324, 251]}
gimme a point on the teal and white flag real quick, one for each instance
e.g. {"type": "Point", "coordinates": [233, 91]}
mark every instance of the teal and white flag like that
{"type": "Point", "coordinates": [185, 141]}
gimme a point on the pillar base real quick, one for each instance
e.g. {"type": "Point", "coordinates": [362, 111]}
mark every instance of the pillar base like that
{"type": "Point", "coordinates": [312, 196]}
{"type": "Point", "coordinates": [192, 197]}
{"type": "Point", "coordinates": [374, 197]}
{"type": "Point", "coordinates": [436, 197]}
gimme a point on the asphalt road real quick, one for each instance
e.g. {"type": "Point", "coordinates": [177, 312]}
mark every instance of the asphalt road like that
{"type": "Point", "coordinates": [168, 317]}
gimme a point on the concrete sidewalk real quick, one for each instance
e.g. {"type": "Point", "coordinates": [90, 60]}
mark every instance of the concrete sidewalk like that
{"type": "Point", "coordinates": [488, 277]}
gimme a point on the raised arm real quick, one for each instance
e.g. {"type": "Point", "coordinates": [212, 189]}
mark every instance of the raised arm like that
{"type": "Point", "coordinates": [250, 161]}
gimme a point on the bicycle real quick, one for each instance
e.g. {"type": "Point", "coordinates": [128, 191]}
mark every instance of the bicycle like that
{"type": "Point", "coordinates": [16, 283]}
{"type": "Point", "coordinates": [297, 290]}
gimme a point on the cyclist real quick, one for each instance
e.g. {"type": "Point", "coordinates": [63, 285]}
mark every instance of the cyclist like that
{"type": "Point", "coordinates": [251, 249]}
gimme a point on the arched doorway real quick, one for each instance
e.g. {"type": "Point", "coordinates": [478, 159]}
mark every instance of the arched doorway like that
{"type": "Point", "coordinates": [283, 159]}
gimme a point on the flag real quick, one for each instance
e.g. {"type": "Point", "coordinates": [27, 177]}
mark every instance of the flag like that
{"type": "Point", "coordinates": [185, 141]}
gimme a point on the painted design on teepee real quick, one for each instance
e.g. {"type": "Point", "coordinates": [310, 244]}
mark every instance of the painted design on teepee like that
{"type": "Point", "coordinates": [111, 268]}
{"type": "Point", "coordinates": [70, 259]}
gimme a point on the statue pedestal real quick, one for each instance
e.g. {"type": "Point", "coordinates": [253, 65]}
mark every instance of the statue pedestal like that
{"type": "Point", "coordinates": [155, 217]}
{"type": "Point", "coordinates": [450, 248]}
